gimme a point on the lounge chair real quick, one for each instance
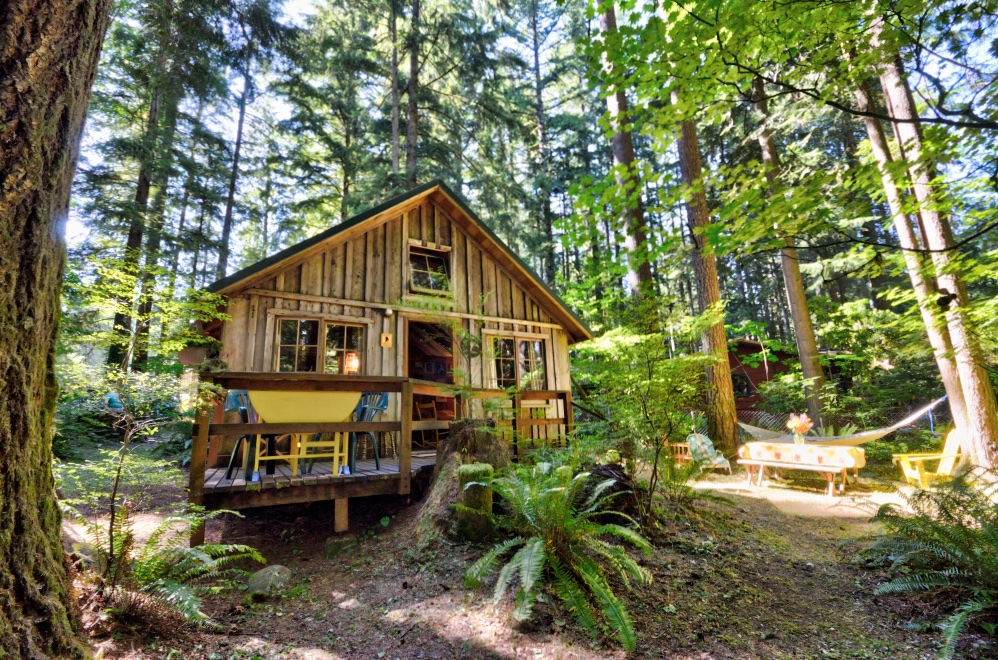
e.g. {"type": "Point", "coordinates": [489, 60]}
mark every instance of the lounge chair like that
{"type": "Point", "coordinates": [913, 465]}
{"type": "Point", "coordinates": [703, 452]}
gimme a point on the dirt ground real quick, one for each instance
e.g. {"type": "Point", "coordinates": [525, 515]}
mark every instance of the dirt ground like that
{"type": "Point", "coordinates": [768, 573]}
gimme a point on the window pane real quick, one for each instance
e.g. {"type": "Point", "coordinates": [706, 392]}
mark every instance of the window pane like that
{"type": "Point", "coordinates": [353, 338]}
{"type": "Point", "coordinates": [504, 347]}
{"type": "Point", "coordinates": [289, 332]}
{"type": "Point", "coordinates": [422, 279]}
{"type": "Point", "coordinates": [286, 361]}
{"type": "Point", "coordinates": [309, 333]}
{"type": "Point", "coordinates": [334, 337]}
{"type": "Point", "coordinates": [332, 362]}
{"type": "Point", "coordinates": [307, 358]}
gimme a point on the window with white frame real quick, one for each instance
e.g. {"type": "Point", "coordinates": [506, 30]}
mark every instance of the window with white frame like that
{"type": "Point", "coordinates": [311, 345]}
{"type": "Point", "coordinates": [518, 362]}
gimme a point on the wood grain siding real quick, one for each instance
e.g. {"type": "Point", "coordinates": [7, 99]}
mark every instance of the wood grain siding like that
{"type": "Point", "coordinates": [363, 275]}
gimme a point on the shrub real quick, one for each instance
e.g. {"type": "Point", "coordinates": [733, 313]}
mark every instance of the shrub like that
{"type": "Point", "coordinates": [946, 539]}
{"type": "Point", "coordinates": [560, 545]}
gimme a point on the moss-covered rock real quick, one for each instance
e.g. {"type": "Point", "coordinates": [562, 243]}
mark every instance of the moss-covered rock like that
{"type": "Point", "coordinates": [474, 522]}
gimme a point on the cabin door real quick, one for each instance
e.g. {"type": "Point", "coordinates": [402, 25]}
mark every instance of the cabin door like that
{"type": "Point", "coordinates": [430, 356]}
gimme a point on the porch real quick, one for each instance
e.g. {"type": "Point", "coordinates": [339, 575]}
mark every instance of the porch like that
{"type": "Point", "coordinates": [530, 418]}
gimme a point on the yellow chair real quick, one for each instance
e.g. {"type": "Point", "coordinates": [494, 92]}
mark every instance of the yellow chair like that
{"type": "Point", "coordinates": [913, 465]}
{"type": "Point", "coordinates": [336, 446]}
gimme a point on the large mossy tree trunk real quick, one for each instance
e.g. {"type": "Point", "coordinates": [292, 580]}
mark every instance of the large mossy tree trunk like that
{"type": "Point", "coordinates": [48, 59]}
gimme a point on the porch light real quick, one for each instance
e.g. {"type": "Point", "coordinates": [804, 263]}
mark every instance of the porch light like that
{"type": "Point", "coordinates": [352, 363]}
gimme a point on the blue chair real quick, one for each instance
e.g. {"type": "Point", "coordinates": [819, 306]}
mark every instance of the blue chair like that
{"type": "Point", "coordinates": [371, 405]}
{"type": "Point", "coordinates": [238, 401]}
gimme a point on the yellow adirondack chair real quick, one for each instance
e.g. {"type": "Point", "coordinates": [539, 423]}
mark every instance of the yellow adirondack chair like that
{"type": "Point", "coordinates": [913, 465]}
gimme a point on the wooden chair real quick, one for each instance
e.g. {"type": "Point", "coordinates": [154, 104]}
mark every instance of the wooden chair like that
{"type": "Point", "coordinates": [679, 452]}
{"type": "Point", "coordinates": [427, 412]}
{"type": "Point", "coordinates": [913, 465]}
{"type": "Point", "coordinates": [334, 446]}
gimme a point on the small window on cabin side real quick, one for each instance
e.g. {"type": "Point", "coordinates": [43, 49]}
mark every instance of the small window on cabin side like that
{"type": "Point", "coordinates": [429, 270]}
{"type": "Point", "coordinates": [298, 345]}
{"type": "Point", "coordinates": [741, 384]}
{"type": "Point", "coordinates": [519, 363]}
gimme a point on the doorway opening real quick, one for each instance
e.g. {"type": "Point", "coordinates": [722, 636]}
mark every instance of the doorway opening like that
{"type": "Point", "coordinates": [430, 356]}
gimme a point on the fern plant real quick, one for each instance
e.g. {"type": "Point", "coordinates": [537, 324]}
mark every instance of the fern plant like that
{"type": "Point", "coordinates": [557, 542]}
{"type": "Point", "coordinates": [164, 568]}
{"type": "Point", "coordinates": [946, 538]}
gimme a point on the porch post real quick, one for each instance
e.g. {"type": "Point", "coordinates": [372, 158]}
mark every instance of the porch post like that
{"type": "Point", "coordinates": [405, 441]}
{"type": "Point", "coordinates": [199, 455]}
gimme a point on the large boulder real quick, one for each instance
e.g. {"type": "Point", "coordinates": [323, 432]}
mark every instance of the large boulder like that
{"type": "Point", "coordinates": [269, 581]}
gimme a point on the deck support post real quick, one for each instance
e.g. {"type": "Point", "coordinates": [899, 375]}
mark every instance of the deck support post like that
{"type": "Point", "coordinates": [405, 440]}
{"type": "Point", "coordinates": [517, 448]}
{"type": "Point", "coordinates": [569, 416]}
{"type": "Point", "coordinates": [341, 518]}
{"type": "Point", "coordinates": [199, 456]}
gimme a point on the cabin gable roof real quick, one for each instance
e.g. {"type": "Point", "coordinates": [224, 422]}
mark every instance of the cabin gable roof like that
{"type": "Point", "coordinates": [459, 212]}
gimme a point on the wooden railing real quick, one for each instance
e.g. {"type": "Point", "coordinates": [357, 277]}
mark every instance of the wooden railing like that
{"type": "Point", "coordinates": [208, 435]}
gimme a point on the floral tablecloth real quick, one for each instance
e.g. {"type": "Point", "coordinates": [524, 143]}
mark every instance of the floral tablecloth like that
{"type": "Point", "coordinates": [824, 455]}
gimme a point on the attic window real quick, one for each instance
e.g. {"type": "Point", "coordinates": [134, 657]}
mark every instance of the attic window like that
{"type": "Point", "coordinates": [429, 271]}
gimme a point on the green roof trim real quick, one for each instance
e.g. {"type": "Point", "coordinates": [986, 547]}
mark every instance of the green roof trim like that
{"type": "Point", "coordinates": [289, 252]}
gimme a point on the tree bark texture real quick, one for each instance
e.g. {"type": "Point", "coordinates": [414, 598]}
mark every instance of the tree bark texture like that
{"type": "Point", "coordinates": [48, 59]}
{"type": "Point", "coordinates": [722, 418]}
{"type": "Point", "coordinates": [978, 394]}
{"type": "Point", "coordinates": [807, 346]}
{"type": "Point", "coordinates": [919, 271]}
{"type": "Point", "coordinates": [639, 275]}
{"type": "Point", "coordinates": [412, 126]}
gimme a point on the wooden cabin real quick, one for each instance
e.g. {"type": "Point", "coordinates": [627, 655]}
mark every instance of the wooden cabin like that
{"type": "Point", "coordinates": [415, 297]}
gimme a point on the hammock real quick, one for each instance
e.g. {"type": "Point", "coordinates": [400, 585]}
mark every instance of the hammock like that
{"type": "Point", "coordinates": [842, 440]}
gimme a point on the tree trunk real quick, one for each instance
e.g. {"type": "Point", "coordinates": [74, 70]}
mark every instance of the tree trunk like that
{"type": "Point", "coordinates": [157, 216]}
{"type": "Point", "coordinates": [722, 419]}
{"type": "Point", "coordinates": [807, 346]}
{"type": "Point", "coordinates": [230, 200]}
{"type": "Point", "coordinates": [393, 34]}
{"type": "Point", "coordinates": [119, 353]}
{"type": "Point", "coordinates": [542, 175]}
{"type": "Point", "coordinates": [918, 268]}
{"type": "Point", "coordinates": [412, 126]}
{"type": "Point", "coordinates": [639, 276]}
{"type": "Point", "coordinates": [978, 394]}
{"type": "Point", "coordinates": [48, 59]}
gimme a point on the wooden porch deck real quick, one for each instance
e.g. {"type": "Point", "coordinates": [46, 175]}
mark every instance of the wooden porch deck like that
{"type": "Point", "coordinates": [209, 488]}
{"type": "Point", "coordinates": [283, 487]}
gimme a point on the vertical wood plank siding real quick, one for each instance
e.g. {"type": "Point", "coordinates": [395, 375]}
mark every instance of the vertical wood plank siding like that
{"type": "Point", "coordinates": [372, 268]}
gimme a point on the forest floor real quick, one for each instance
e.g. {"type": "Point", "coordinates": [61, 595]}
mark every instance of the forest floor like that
{"type": "Point", "coordinates": [767, 573]}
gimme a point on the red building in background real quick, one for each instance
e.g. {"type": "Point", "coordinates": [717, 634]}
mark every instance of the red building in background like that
{"type": "Point", "coordinates": [751, 366]}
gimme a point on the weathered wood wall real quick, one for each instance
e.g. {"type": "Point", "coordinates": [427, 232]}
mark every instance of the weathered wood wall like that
{"type": "Point", "coordinates": [363, 278]}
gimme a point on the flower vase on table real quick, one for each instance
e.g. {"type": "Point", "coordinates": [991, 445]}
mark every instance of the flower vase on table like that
{"type": "Point", "coordinates": [799, 425]}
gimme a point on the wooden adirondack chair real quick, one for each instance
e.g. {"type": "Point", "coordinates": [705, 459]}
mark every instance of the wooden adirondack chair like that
{"type": "Point", "coordinates": [915, 471]}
